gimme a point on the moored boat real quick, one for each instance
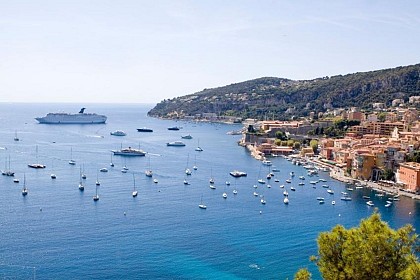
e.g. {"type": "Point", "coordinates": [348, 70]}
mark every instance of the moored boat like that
{"type": "Point", "coordinates": [176, 144]}
{"type": "Point", "coordinates": [144, 129]}
{"type": "Point", "coordinates": [129, 152]}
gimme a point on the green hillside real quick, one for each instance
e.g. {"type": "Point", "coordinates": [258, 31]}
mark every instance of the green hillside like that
{"type": "Point", "coordinates": [274, 96]}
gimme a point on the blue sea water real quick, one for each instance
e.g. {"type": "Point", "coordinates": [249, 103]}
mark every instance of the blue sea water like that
{"type": "Point", "coordinates": [58, 232]}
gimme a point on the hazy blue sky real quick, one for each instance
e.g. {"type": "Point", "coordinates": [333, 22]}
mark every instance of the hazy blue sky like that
{"type": "Point", "coordinates": [144, 51]}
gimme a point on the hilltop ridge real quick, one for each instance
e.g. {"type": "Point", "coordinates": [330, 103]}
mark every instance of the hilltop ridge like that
{"type": "Point", "coordinates": [284, 98]}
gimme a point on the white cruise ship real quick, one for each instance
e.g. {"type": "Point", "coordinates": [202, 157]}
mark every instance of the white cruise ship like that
{"type": "Point", "coordinates": [66, 118]}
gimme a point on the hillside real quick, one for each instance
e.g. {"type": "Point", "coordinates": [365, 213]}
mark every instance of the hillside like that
{"type": "Point", "coordinates": [284, 98]}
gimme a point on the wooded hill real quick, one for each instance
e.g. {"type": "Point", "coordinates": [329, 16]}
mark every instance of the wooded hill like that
{"type": "Point", "coordinates": [283, 98]}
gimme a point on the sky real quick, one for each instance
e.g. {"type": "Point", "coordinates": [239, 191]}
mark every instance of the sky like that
{"type": "Point", "coordinates": [135, 51]}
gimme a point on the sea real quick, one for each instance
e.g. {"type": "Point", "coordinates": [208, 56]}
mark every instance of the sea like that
{"type": "Point", "coordinates": [59, 232]}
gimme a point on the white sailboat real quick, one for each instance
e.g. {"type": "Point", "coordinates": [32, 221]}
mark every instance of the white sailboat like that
{"type": "Point", "coordinates": [36, 165]}
{"type": "Point", "coordinates": [202, 205]}
{"type": "Point", "coordinates": [7, 171]}
{"type": "Point", "coordinates": [134, 193]}
{"type": "Point", "coordinates": [112, 163]}
{"type": "Point", "coordinates": [195, 163]}
{"type": "Point", "coordinates": [149, 172]}
{"type": "Point", "coordinates": [53, 176]}
{"type": "Point", "coordinates": [81, 187]}
{"type": "Point", "coordinates": [187, 170]}
{"type": "Point", "coordinates": [24, 190]}
{"type": "Point", "coordinates": [97, 179]}
{"type": "Point", "coordinates": [96, 196]}
{"type": "Point", "coordinates": [198, 149]}
{"type": "Point", "coordinates": [71, 161]}
{"type": "Point", "coordinates": [211, 180]}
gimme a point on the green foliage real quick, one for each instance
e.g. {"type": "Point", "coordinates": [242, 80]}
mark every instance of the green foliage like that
{"type": "Point", "coordinates": [303, 274]}
{"type": "Point", "coordinates": [371, 251]}
{"type": "Point", "coordinates": [388, 174]}
{"type": "Point", "coordinates": [271, 96]}
{"type": "Point", "coordinates": [290, 143]}
{"type": "Point", "coordinates": [281, 135]}
{"type": "Point", "coordinates": [296, 145]}
{"type": "Point", "coordinates": [314, 145]}
{"type": "Point", "coordinates": [381, 117]}
{"type": "Point", "coordinates": [414, 158]}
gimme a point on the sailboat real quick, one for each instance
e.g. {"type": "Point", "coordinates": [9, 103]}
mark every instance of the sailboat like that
{"type": "Point", "coordinates": [195, 163]}
{"type": "Point", "coordinates": [16, 137]}
{"type": "Point", "coordinates": [97, 179]}
{"type": "Point", "coordinates": [199, 149]}
{"type": "Point", "coordinates": [263, 201]}
{"type": "Point", "coordinates": [202, 205]}
{"type": "Point", "coordinates": [81, 187]}
{"type": "Point", "coordinates": [211, 180]}
{"type": "Point", "coordinates": [149, 172]}
{"type": "Point", "coordinates": [7, 171]}
{"type": "Point", "coordinates": [53, 176]}
{"type": "Point", "coordinates": [71, 161]}
{"type": "Point", "coordinates": [234, 190]}
{"type": "Point", "coordinates": [187, 170]}
{"type": "Point", "coordinates": [96, 196]}
{"type": "Point", "coordinates": [36, 165]}
{"type": "Point", "coordinates": [112, 163]}
{"type": "Point", "coordinates": [134, 193]}
{"type": "Point", "coordinates": [24, 190]}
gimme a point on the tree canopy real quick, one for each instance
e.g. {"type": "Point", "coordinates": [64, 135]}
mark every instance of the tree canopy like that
{"type": "Point", "coordinates": [372, 251]}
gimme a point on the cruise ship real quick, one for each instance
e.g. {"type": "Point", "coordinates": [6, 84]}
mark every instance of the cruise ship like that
{"type": "Point", "coordinates": [66, 118]}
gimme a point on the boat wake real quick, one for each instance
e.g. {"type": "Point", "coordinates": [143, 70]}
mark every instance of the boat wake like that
{"type": "Point", "coordinates": [254, 266]}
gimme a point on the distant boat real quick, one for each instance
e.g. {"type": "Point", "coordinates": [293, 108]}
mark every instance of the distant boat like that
{"type": "Point", "coordinates": [187, 170]}
{"type": "Point", "coordinates": [16, 137]}
{"type": "Point", "coordinates": [195, 163]}
{"type": "Point", "coordinates": [112, 163]}
{"type": "Point", "coordinates": [188, 136]}
{"type": "Point", "coordinates": [174, 128]}
{"type": "Point", "coordinates": [7, 171]}
{"type": "Point", "coordinates": [263, 201]}
{"type": "Point", "coordinates": [224, 195]}
{"type": "Point", "coordinates": [36, 165]}
{"type": "Point", "coordinates": [198, 149]}
{"type": "Point", "coordinates": [53, 176]}
{"type": "Point", "coordinates": [202, 205]}
{"type": "Point", "coordinates": [24, 190]}
{"type": "Point", "coordinates": [330, 191]}
{"type": "Point", "coordinates": [118, 133]}
{"type": "Point", "coordinates": [103, 169]}
{"type": "Point", "coordinates": [96, 196]}
{"type": "Point", "coordinates": [370, 203]}
{"type": "Point", "coordinates": [71, 161]}
{"type": "Point", "coordinates": [186, 182]}
{"type": "Point", "coordinates": [65, 118]}
{"type": "Point", "coordinates": [97, 179]}
{"type": "Point", "coordinates": [144, 129]}
{"type": "Point", "coordinates": [333, 202]}
{"type": "Point", "coordinates": [213, 187]}
{"type": "Point", "coordinates": [176, 144]}
{"type": "Point", "coordinates": [286, 200]}
{"type": "Point", "coordinates": [81, 187]}
{"type": "Point", "coordinates": [16, 180]}
{"type": "Point", "coordinates": [237, 173]}
{"type": "Point", "coordinates": [148, 172]}
{"type": "Point", "coordinates": [266, 162]}
{"type": "Point", "coordinates": [134, 193]}
{"type": "Point", "coordinates": [129, 152]}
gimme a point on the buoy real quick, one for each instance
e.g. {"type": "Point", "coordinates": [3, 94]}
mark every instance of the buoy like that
{"type": "Point", "coordinates": [125, 214]}
{"type": "Point", "coordinates": [339, 215]}
{"type": "Point", "coordinates": [260, 212]}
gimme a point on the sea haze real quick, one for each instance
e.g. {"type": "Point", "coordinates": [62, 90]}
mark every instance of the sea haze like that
{"type": "Point", "coordinates": [58, 232]}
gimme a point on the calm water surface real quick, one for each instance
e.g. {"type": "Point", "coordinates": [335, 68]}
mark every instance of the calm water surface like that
{"type": "Point", "coordinates": [58, 232]}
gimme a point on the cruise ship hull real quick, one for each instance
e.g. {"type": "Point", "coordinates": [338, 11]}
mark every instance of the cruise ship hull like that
{"type": "Point", "coordinates": [65, 118]}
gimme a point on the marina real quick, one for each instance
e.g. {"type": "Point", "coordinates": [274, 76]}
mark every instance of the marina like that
{"type": "Point", "coordinates": [172, 232]}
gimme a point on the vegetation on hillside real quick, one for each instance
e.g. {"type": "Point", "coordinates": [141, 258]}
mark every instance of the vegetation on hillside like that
{"type": "Point", "coordinates": [279, 98]}
{"type": "Point", "coordinates": [372, 250]}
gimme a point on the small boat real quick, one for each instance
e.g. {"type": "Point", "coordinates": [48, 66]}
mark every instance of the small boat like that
{"type": "Point", "coordinates": [288, 181]}
{"type": "Point", "coordinates": [174, 128]}
{"type": "Point", "coordinates": [112, 163]}
{"type": "Point", "coordinates": [235, 191]}
{"type": "Point", "coordinates": [148, 173]}
{"type": "Point", "coordinates": [269, 176]}
{"type": "Point", "coordinates": [188, 171]}
{"type": "Point", "coordinates": [25, 189]}
{"type": "Point", "coordinates": [118, 133]}
{"type": "Point", "coordinates": [292, 174]}
{"type": "Point", "coordinates": [175, 144]}
{"type": "Point", "coordinates": [345, 198]}
{"type": "Point", "coordinates": [301, 177]}
{"type": "Point", "coordinates": [186, 182]}
{"type": "Point", "coordinates": [155, 181]}
{"type": "Point", "coordinates": [36, 165]}
{"type": "Point", "coordinates": [292, 189]}
{"type": "Point", "coordinates": [333, 202]}
{"type": "Point", "coordinates": [237, 174]}
{"type": "Point", "coordinates": [325, 186]}
{"type": "Point", "coordinates": [388, 204]}
{"type": "Point", "coordinates": [16, 137]}
{"type": "Point", "coordinates": [301, 183]}
{"type": "Point", "coordinates": [286, 200]}
{"type": "Point", "coordinates": [213, 187]}
{"type": "Point", "coordinates": [285, 193]}
{"type": "Point", "coordinates": [103, 169]}
{"type": "Point", "coordinates": [266, 162]}
{"type": "Point", "coordinates": [198, 149]}
{"type": "Point", "coordinates": [81, 187]}
{"type": "Point", "coordinates": [202, 205]}
{"type": "Point", "coordinates": [186, 136]}
{"type": "Point", "coordinates": [261, 181]}
{"type": "Point", "coordinates": [370, 203]}
{"type": "Point", "coordinates": [224, 195]}
{"type": "Point", "coordinates": [16, 180]}
{"type": "Point", "coordinates": [281, 186]}
{"type": "Point", "coordinates": [53, 176]}
{"type": "Point", "coordinates": [255, 194]}
{"type": "Point", "coordinates": [124, 170]}
{"type": "Point", "coordinates": [276, 180]}
{"type": "Point", "coordinates": [144, 129]}
{"type": "Point", "coordinates": [275, 169]}
{"type": "Point", "coordinates": [268, 186]}
{"type": "Point", "coordinates": [71, 161]}
{"type": "Point", "coordinates": [330, 191]}
{"type": "Point", "coordinates": [321, 202]}
{"type": "Point", "coordinates": [349, 189]}
{"type": "Point", "coordinates": [366, 197]}
{"type": "Point", "coordinates": [313, 182]}
{"type": "Point", "coordinates": [227, 183]}
{"type": "Point", "coordinates": [263, 202]}
{"type": "Point", "coordinates": [96, 196]}
{"type": "Point", "coordinates": [97, 180]}
{"type": "Point", "coordinates": [134, 193]}
{"type": "Point", "coordinates": [322, 180]}
{"type": "Point", "coordinates": [320, 198]}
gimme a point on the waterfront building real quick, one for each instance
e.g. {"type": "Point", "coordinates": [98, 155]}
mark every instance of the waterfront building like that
{"type": "Point", "coordinates": [409, 176]}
